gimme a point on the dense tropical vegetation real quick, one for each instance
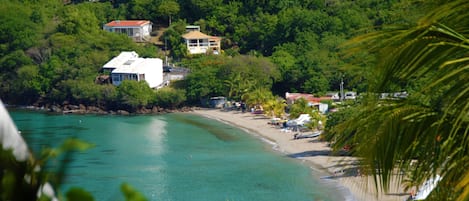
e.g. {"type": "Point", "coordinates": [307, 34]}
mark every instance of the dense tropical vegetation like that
{"type": "Point", "coordinates": [51, 53]}
{"type": "Point", "coordinates": [54, 54]}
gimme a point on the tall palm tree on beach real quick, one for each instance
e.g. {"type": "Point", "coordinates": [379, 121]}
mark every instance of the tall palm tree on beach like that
{"type": "Point", "coordinates": [275, 107]}
{"type": "Point", "coordinates": [257, 97]}
{"type": "Point", "coordinates": [427, 132]}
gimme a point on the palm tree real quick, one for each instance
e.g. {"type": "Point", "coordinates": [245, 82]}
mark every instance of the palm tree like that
{"type": "Point", "coordinates": [300, 106]}
{"type": "Point", "coordinates": [430, 126]}
{"type": "Point", "coordinates": [275, 107]}
{"type": "Point", "coordinates": [238, 85]}
{"type": "Point", "coordinates": [233, 85]}
{"type": "Point", "coordinates": [257, 97]}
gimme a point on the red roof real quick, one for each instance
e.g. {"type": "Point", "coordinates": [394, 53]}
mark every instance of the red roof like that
{"type": "Point", "coordinates": [127, 23]}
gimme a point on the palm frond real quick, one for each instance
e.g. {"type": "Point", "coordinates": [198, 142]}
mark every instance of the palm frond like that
{"type": "Point", "coordinates": [431, 126]}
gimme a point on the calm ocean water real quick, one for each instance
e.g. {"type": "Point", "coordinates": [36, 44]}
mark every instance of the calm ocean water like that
{"type": "Point", "coordinates": [173, 157]}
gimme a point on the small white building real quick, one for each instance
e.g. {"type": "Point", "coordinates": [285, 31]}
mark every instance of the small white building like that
{"type": "Point", "coordinates": [138, 30]}
{"type": "Point", "coordinates": [200, 43]}
{"type": "Point", "coordinates": [128, 66]}
{"type": "Point", "coordinates": [190, 28]}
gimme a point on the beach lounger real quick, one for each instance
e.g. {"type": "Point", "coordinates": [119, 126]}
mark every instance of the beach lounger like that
{"type": "Point", "coordinates": [301, 120]}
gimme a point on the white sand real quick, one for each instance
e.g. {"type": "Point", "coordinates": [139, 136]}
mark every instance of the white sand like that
{"type": "Point", "coordinates": [340, 168]}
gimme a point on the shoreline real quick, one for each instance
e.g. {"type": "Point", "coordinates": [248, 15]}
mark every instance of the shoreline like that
{"type": "Point", "coordinates": [84, 109]}
{"type": "Point", "coordinates": [315, 153]}
{"type": "Point", "coordinates": [318, 172]}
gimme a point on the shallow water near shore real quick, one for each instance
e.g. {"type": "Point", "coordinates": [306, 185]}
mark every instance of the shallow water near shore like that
{"type": "Point", "coordinates": [173, 157]}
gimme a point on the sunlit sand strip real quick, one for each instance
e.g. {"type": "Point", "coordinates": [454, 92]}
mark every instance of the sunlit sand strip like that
{"type": "Point", "coordinates": [316, 153]}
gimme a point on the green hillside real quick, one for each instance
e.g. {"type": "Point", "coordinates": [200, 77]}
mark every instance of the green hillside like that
{"type": "Point", "coordinates": [52, 51]}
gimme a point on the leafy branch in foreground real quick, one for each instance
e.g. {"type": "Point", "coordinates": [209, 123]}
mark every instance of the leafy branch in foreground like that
{"type": "Point", "coordinates": [23, 177]}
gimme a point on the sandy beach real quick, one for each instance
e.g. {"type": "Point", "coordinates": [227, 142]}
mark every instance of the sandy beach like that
{"type": "Point", "coordinates": [317, 153]}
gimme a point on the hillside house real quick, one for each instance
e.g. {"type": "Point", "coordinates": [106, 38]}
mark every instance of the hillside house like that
{"type": "Point", "coordinates": [138, 30]}
{"type": "Point", "coordinates": [128, 66]}
{"type": "Point", "coordinates": [200, 43]}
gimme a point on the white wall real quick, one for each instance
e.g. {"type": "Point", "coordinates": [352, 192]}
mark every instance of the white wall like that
{"type": "Point", "coordinates": [147, 30]}
{"type": "Point", "coordinates": [153, 70]}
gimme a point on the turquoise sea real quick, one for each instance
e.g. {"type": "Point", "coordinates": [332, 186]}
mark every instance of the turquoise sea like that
{"type": "Point", "coordinates": [173, 157]}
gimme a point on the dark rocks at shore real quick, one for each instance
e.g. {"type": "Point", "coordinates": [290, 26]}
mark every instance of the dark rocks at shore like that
{"type": "Point", "coordinates": [122, 112]}
{"type": "Point", "coordinates": [83, 109]}
{"type": "Point", "coordinates": [55, 108]}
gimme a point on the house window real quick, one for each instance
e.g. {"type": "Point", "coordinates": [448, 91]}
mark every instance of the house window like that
{"type": "Point", "coordinates": [203, 42]}
{"type": "Point", "coordinates": [141, 77]}
{"type": "Point", "coordinates": [131, 32]}
{"type": "Point", "coordinates": [116, 77]}
{"type": "Point", "coordinates": [127, 76]}
{"type": "Point", "coordinates": [126, 31]}
{"type": "Point", "coordinates": [193, 43]}
{"type": "Point", "coordinates": [213, 43]}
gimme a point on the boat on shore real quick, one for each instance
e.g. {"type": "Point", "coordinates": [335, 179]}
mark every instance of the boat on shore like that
{"type": "Point", "coordinates": [310, 135]}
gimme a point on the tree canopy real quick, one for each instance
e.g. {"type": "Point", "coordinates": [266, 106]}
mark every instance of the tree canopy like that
{"type": "Point", "coordinates": [298, 42]}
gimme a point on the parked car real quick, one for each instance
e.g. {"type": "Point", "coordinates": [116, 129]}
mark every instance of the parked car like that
{"type": "Point", "coordinates": [217, 102]}
{"type": "Point", "coordinates": [350, 95]}
{"type": "Point", "coordinates": [167, 69]}
{"type": "Point", "coordinates": [334, 96]}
